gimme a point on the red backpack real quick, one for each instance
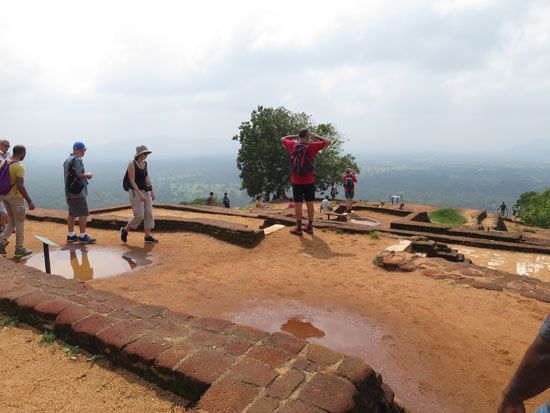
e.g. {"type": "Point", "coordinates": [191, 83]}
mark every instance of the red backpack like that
{"type": "Point", "coordinates": [302, 163]}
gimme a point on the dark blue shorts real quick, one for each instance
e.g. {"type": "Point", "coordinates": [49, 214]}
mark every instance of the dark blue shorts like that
{"type": "Point", "coordinates": [302, 193]}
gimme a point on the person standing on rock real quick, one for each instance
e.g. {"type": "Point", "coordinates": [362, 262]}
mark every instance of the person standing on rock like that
{"type": "Point", "coordinates": [76, 191]}
{"type": "Point", "coordinates": [141, 194]}
{"type": "Point", "coordinates": [349, 179]}
{"type": "Point", "coordinates": [14, 199]}
{"type": "Point", "coordinates": [226, 202]}
{"type": "Point", "coordinates": [532, 376]}
{"type": "Point", "coordinates": [211, 200]}
{"type": "Point", "coordinates": [302, 153]}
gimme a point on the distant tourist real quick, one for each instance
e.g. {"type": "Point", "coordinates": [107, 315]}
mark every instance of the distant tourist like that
{"type": "Point", "coordinates": [503, 210]}
{"type": "Point", "coordinates": [349, 179]}
{"type": "Point", "coordinates": [4, 154]}
{"type": "Point", "coordinates": [291, 203]}
{"type": "Point", "coordinates": [260, 202]}
{"type": "Point", "coordinates": [141, 195]}
{"type": "Point", "coordinates": [302, 154]}
{"type": "Point", "coordinates": [14, 195]}
{"type": "Point", "coordinates": [333, 191]}
{"type": "Point", "coordinates": [226, 202]}
{"type": "Point", "coordinates": [76, 191]}
{"type": "Point", "coordinates": [325, 205]}
{"type": "Point", "coordinates": [532, 376]}
{"type": "Point", "coordinates": [211, 200]}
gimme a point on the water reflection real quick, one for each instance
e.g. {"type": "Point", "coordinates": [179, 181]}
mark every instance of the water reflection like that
{"type": "Point", "coordinates": [302, 329]}
{"type": "Point", "coordinates": [84, 263]}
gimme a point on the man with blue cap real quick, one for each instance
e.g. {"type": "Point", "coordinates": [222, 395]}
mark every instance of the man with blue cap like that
{"type": "Point", "coordinates": [76, 191]}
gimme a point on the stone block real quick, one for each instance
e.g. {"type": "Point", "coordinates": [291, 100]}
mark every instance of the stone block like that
{"type": "Point", "coordinates": [330, 393]}
{"type": "Point", "coordinates": [147, 311]}
{"type": "Point", "coordinates": [145, 350]}
{"type": "Point", "coordinates": [68, 317]}
{"type": "Point", "coordinates": [253, 371]}
{"type": "Point", "coordinates": [263, 405]}
{"type": "Point", "coordinates": [8, 297]}
{"type": "Point", "coordinates": [85, 330]}
{"type": "Point", "coordinates": [246, 332]}
{"type": "Point", "coordinates": [272, 355]}
{"type": "Point", "coordinates": [212, 324]}
{"type": "Point", "coordinates": [60, 291]}
{"type": "Point", "coordinates": [207, 339]}
{"type": "Point", "coordinates": [358, 372]}
{"type": "Point", "coordinates": [121, 303]}
{"type": "Point", "coordinates": [28, 302]}
{"type": "Point", "coordinates": [284, 385]}
{"type": "Point", "coordinates": [115, 337]}
{"type": "Point", "coordinates": [204, 366]}
{"type": "Point", "coordinates": [166, 361]}
{"type": "Point", "coordinates": [49, 310]}
{"type": "Point", "coordinates": [99, 307]}
{"type": "Point", "coordinates": [321, 355]}
{"type": "Point", "coordinates": [286, 342]}
{"type": "Point", "coordinates": [237, 347]}
{"type": "Point", "coordinates": [228, 396]}
{"type": "Point", "coordinates": [99, 295]}
{"type": "Point", "coordinates": [173, 317]}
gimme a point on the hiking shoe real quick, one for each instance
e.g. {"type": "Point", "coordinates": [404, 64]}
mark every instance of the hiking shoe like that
{"type": "Point", "coordinates": [3, 248]}
{"type": "Point", "coordinates": [151, 240]}
{"type": "Point", "coordinates": [296, 231]}
{"type": "Point", "coordinates": [86, 239]}
{"type": "Point", "coordinates": [22, 252]}
{"type": "Point", "coordinates": [72, 238]}
{"type": "Point", "coordinates": [123, 234]}
{"type": "Point", "coordinates": [309, 230]}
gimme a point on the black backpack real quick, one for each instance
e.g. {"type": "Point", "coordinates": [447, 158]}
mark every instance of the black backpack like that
{"type": "Point", "coordinates": [349, 182]}
{"type": "Point", "coordinates": [302, 163]}
{"type": "Point", "coordinates": [75, 185]}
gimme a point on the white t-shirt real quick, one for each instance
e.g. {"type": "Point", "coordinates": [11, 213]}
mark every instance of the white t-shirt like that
{"type": "Point", "coordinates": [325, 205]}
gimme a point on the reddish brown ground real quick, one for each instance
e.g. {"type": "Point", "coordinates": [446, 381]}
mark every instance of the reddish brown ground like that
{"type": "Point", "coordinates": [444, 347]}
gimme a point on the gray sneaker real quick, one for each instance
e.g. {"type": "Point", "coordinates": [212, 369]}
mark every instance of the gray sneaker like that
{"type": "Point", "coordinates": [22, 252]}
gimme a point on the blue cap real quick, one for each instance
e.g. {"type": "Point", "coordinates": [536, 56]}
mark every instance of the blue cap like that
{"type": "Point", "coordinates": [79, 145]}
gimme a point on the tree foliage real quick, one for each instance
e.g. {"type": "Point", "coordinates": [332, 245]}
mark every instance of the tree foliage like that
{"type": "Point", "coordinates": [264, 162]}
{"type": "Point", "coordinates": [534, 208]}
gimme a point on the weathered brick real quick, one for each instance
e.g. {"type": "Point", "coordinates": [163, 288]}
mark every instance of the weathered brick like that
{"type": "Point", "coordinates": [145, 349]}
{"type": "Point", "coordinates": [57, 281]}
{"type": "Point", "coordinates": [298, 406]}
{"type": "Point", "coordinates": [212, 324]}
{"type": "Point", "coordinates": [263, 405]}
{"type": "Point", "coordinates": [171, 332]}
{"type": "Point", "coordinates": [286, 342]}
{"type": "Point", "coordinates": [98, 307]}
{"type": "Point", "coordinates": [80, 299]}
{"type": "Point", "coordinates": [49, 310]}
{"type": "Point", "coordinates": [358, 372]}
{"type": "Point", "coordinates": [237, 347]}
{"type": "Point", "coordinates": [284, 385]}
{"type": "Point", "coordinates": [28, 302]}
{"type": "Point", "coordinates": [167, 360]}
{"type": "Point", "coordinates": [121, 303]}
{"type": "Point", "coordinates": [321, 355]}
{"type": "Point", "coordinates": [69, 316]}
{"type": "Point", "coordinates": [329, 392]}
{"type": "Point", "coordinates": [228, 396]}
{"type": "Point", "coordinates": [85, 330]}
{"type": "Point", "coordinates": [207, 339]}
{"type": "Point", "coordinates": [146, 311]}
{"type": "Point", "coordinates": [271, 355]}
{"type": "Point", "coordinates": [7, 297]}
{"type": "Point", "coordinates": [204, 366]}
{"type": "Point", "coordinates": [253, 371]}
{"type": "Point", "coordinates": [173, 317]}
{"type": "Point", "coordinates": [99, 295]}
{"type": "Point", "coordinates": [115, 337]}
{"type": "Point", "coordinates": [60, 291]}
{"type": "Point", "coordinates": [247, 332]}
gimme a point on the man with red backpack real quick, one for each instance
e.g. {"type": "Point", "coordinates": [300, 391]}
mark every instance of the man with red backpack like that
{"type": "Point", "coordinates": [302, 153]}
{"type": "Point", "coordinates": [349, 181]}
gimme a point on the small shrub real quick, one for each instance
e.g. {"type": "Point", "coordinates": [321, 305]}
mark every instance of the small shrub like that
{"type": "Point", "coordinates": [71, 351]}
{"type": "Point", "coordinates": [339, 231]}
{"type": "Point", "coordinates": [374, 234]}
{"type": "Point", "coordinates": [10, 321]}
{"type": "Point", "coordinates": [378, 261]}
{"type": "Point", "coordinates": [94, 357]}
{"type": "Point", "coordinates": [447, 216]}
{"type": "Point", "coordinates": [48, 337]}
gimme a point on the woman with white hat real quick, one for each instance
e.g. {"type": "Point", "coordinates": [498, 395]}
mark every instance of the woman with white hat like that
{"type": "Point", "coordinates": [141, 195]}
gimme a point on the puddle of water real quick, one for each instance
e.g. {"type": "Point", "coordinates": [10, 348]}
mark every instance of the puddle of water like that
{"type": "Point", "coordinates": [346, 333]}
{"type": "Point", "coordinates": [520, 263]}
{"type": "Point", "coordinates": [89, 262]}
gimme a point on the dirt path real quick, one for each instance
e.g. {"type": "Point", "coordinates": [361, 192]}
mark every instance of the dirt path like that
{"type": "Point", "coordinates": [43, 378]}
{"type": "Point", "coordinates": [443, 347]}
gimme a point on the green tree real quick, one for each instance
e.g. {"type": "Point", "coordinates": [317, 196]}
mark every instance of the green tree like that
{"type": "Point", "coordinates": [534, 208]}
{"type": "Point", "coordinates": [265, 164]}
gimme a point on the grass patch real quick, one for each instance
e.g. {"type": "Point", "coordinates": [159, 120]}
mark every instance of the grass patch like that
{"type": "Point", "coordinates": [48, 337]}
{"type": "Point", "coordinates": [339, 231]}
{"type": "Point", "coordinates": [71, 351]}
{"type": "Point", "coordinates": [10, 321]}
{"type": "Point", "coordinates": [531, 230]}
{"type": "Point", "coordinates": [447, 216]}
{"type": "Point", "coordinates": [374, 234]}
{"type": "Point", "coordinates": [378, 260]}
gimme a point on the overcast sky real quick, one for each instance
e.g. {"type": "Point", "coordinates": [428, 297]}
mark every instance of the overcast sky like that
{"type": "Point", "coordinates": [393, 76]}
